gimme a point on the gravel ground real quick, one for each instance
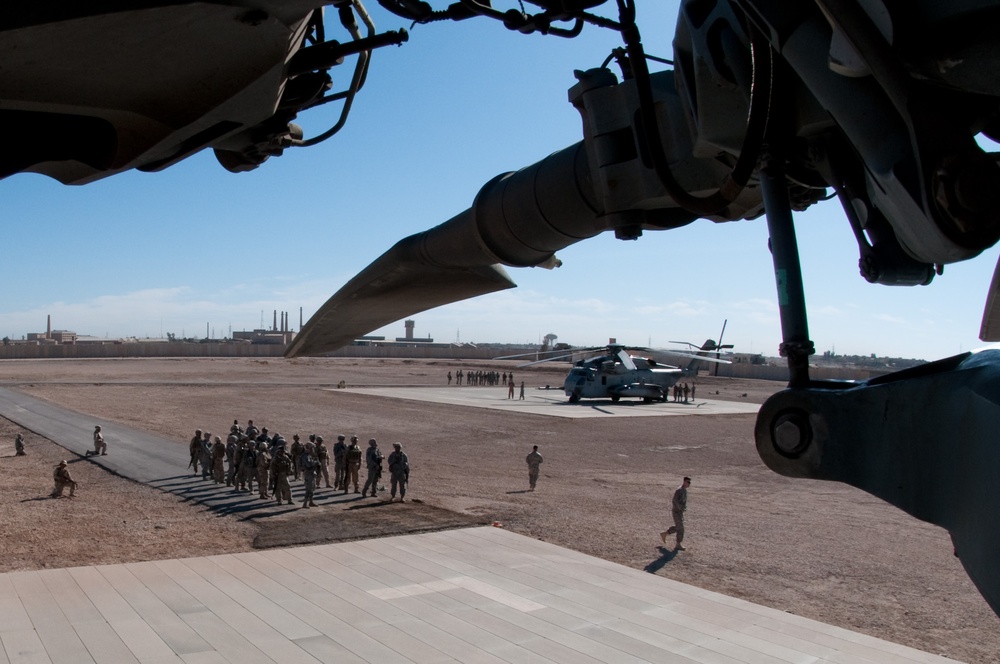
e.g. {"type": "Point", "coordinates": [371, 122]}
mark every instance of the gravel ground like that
{"type": "Point", "coordinates": [821, 550]}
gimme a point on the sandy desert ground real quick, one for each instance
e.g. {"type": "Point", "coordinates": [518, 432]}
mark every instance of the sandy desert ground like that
{"type": "Point", "coordinates": [821, 550]}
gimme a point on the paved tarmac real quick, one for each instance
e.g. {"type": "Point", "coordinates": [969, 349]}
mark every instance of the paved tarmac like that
{"type": "Point", "coordinates": [553, 402]}
{"type": "Point", "coordinates": [468, 595]}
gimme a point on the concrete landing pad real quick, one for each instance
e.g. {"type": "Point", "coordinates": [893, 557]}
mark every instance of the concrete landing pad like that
{"type": "Point", "coordinates": [554, 403]}
{"type": "Point", "coordinates": [472, 595]}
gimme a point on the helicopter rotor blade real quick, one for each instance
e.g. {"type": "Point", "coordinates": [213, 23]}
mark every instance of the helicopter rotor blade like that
{"type": "Point", "coordinates": [399, 283]}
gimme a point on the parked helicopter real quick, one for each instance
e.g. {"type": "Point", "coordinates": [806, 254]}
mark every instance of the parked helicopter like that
{"type": "Point", "coordinates": [613, 373]}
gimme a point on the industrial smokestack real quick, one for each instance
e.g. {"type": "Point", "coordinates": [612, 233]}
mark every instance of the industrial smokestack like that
{"type": "Point", "coordinates": [274, 323]}
{"type": "Point", "coordinates": [48, 327]}
{"type": "Point", "coordinates": [300, 318]}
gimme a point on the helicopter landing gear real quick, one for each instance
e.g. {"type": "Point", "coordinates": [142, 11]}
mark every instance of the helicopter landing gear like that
{"type": "Point", "coordinates": [615, 398]}
{"type": "Point", "coordinates": [922, 439]}
{"type": "Point", "coordinates": [574, 398]}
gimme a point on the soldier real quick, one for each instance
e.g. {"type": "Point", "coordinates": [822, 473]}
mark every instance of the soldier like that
{"type": "Point", "coordinates": [248, 467]}
{"type": "Point", "coordinates": [218, 457]}
{"type": "Point", "coordinates": [100, 447]}
{"type": "Point", "coordinates": [324, 460]}
{"type": "Point", "coordinates": [399, 471]}
{"type": "Point", "coordinates": [263, 466]}
{"type": "Point", "coordinates": [251, 431]}
{"type": "Point", "coordinates": [521, 395]}
{"type": "Point", "coordinates": [205, 455]}
{"type": "Point", "coordinates": [373, 461]}
{"type": "Point", "coordinates": [297, 450]}
{"type": "Point", "coordinates": [238, 452]}
{"type": "Point", "coordinates": [281, 466]}
{"type": "Point", "coordinates": [310, 469]}
{"type": "Point", "coordinates": [534, 460]}
{"type": "Point", "coordinates": [352, 460]}
{"type": "Point", "coordinates": [62, 480]}
{"type": "Point", "coordinates": [195, 449]}
{"type": "Point", "coordinates": [339, 449]}
{"type": "Point", "coordinates": [19, 445]}
{"type": "Point", "coordinates": [232, 442]}
{"type": "Point", "coordinates": [678, 505]}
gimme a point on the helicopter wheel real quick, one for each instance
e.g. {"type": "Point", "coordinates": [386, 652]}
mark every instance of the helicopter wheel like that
{"type": "Point", "coordinates": [574, 398]}
{"type": "Point", "coordinates": [647, 400]}
{"type": "Point", "coordinates": [615, 398]}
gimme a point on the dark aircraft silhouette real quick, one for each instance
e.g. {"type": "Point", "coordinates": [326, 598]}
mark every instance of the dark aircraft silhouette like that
{"type": "Point", "coordinates": [768, 107]}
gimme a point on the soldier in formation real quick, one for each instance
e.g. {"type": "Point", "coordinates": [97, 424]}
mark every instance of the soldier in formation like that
{"type": "Point", "coordinates": [323, 455]}
{"type": "Point", "coordinates": [399, 472]}
{"type": "Point", "coordinates": [373, 462]}
{"type": "Point", "coordinates": [339, 463]}
{"type": "Point", "coordinates": [253, 454]}
{"type": "Point", "coordinates": [352, 459]}
{"type": "Point", "coordinates": [310, 469]}
{"type": "Point", "coordinates": [19, 445]}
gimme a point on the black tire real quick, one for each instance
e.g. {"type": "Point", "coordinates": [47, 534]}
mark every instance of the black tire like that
{"type": "Point", "coordinates": [574, 398]}
{"type": "Point", "coordinates": [615, 398]}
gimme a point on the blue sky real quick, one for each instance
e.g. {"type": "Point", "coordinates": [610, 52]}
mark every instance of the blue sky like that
{"type": "Point", "coordinates": [195, 246]}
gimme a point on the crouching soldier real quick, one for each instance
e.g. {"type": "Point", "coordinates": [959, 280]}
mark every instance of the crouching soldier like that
{"type": "Point", "coordinates": [62, 480]}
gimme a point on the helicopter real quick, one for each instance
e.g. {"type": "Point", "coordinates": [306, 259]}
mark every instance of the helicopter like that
{"type": "Point", "coordinates": [615, 374]}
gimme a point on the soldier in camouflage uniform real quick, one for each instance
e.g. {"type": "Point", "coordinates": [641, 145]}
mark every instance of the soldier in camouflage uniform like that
{"type": "Point", "coordinates": [206, 456]}
{"type": "Point", "coordinates": [263, 466]}
{"type": "Point", "coordinates": [296, 451]}
{"type": "Point", "coordinates": [310, 469]}
{"type": "Point", "coordinates": [339, 450]}
{"type": "Point", "coordinates": [352, 461]}
{"type": "Point", "coordinates": [373, 462]}
{"type": "Point", "coordinates": [218, 458]}
{"type": "Point", "coordinates": [62, 480]}
{"type": "Point", "coordinates": [324, 460]}
{"type": "Point", "coordinates": [281, 466]}
{"type": "Point", "coordinates": [248, 468]}
{"type": "Point", "coordinates": [195, 449]}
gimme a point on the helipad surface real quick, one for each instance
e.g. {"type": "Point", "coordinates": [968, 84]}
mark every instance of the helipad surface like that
{"type": "Point", "coordinates": [554, 403]}
{"type": "Point", "coordinates": [473, 595]}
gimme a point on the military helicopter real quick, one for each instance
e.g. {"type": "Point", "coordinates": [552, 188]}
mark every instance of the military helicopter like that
{"type": "Point", "coordinates": [611, 372]}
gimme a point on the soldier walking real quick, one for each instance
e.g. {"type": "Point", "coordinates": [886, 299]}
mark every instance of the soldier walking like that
{"type": "Point", "coordinates": [677, 507]}
{"type": "Point", "coordinates": [399, 471]}
{"type": "Point", "coordinates": [62, 479]}
{"type": "Point", "coordinates": [205, 453]}
{"type": "Point", "coordinates": [19, 445]}
{"type": "Point", "coordinates": [248, 467]}
{"type": "Point", "coordinates": [352, 459]}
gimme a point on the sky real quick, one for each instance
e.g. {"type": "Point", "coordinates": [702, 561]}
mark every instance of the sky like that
{"type": "Point", "coordinates": [195, 249]}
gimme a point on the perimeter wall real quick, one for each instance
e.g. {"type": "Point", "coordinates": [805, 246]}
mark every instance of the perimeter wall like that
{"type": "Point", "coordinates": [162, 350]}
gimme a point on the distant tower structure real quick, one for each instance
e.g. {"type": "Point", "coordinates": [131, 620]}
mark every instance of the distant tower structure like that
{"type": "Point", "coordinates": [274, 323]}
{"type": "Point", "coordinates": [409, 329]}
{"type": "Point", "coordinates": [48, 327]}
{"type": "Point", "coordinates": [300, 318]}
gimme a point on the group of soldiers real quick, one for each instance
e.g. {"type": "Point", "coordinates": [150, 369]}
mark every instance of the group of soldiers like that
{"type": "Point", "coordinates": [253, 454]}
{"type": "Point", "coordinates": [485, 378]}
{"type": "Point", "coordinates": [682, 392]}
